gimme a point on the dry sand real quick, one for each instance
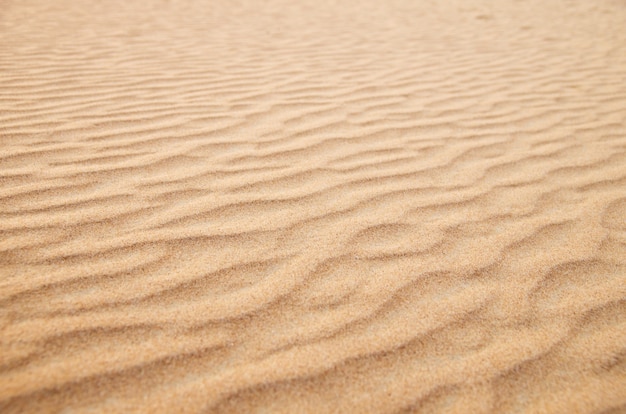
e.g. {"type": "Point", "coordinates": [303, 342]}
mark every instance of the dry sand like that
{"type": "Point", "coordinates": [313, 206]}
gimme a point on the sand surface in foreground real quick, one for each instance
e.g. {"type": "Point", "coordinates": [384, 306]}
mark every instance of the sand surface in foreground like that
{"type": "Point", "coordinates": [313, 206]}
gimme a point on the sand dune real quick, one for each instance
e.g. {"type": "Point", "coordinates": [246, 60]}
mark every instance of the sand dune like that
{"type": "Point", "coordinates": [313, 206]}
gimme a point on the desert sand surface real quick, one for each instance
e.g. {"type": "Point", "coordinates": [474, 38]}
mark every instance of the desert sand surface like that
{"type": "Point", "coordinates": [313, 206]}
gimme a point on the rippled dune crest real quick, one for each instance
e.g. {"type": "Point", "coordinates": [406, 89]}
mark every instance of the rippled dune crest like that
{"type": "Point", "coordinates": [313, 206]}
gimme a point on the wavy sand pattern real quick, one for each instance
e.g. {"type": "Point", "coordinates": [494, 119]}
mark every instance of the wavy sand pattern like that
{"type": "Point", "coordinates": [313, 206]}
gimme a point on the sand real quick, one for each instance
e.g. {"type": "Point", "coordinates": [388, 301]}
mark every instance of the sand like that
{"type": "Point", "coordinates": [313, 206]}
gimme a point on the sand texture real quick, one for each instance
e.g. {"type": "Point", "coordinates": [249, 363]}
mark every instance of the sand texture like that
{"type": "Point", "coordinates": [313, 206]}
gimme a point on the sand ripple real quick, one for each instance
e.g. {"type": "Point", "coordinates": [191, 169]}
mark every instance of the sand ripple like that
{"type": "Point", "coordinates": [313, 206]}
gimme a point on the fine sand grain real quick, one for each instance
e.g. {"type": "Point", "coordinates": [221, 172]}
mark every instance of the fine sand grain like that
{"type": "Point", "coordinates": [313, 206]}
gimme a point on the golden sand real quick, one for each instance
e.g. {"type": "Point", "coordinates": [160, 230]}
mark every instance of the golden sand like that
{"type": "Point", "coordinates": [313, 206]}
